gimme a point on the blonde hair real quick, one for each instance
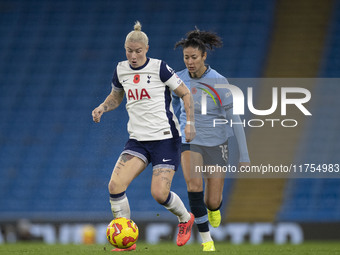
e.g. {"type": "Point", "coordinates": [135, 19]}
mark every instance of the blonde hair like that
{"type": "Point", "coordinates": [137, 35]}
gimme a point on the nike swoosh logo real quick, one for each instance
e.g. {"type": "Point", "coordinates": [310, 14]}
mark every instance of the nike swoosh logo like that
{"type": "Point", "coordinates": [125, 80]}
{"type": "Point", "coordinates": [166, 160]}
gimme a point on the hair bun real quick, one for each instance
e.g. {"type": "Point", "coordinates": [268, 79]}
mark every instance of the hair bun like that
{"type": "Point", "coordinates": [195, 34]}
{"type": "Point", "coordinates": [137, 35]}
{"type": "Point", "coordinates": [200, 39]}
{"type": "Point", "coordinates": [137, 26]}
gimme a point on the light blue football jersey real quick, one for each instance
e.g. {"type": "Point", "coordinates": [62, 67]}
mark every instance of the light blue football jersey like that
{"type": "Point", "coordinates": [209, 104]}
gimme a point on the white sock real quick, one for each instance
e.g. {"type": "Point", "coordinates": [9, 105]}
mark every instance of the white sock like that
{"type": "Point", "coordinates": [176, 206]}
{"type": "Point", "coordinates": [205, 236]}
{"type": "Point", "coordinates": [120, 206]}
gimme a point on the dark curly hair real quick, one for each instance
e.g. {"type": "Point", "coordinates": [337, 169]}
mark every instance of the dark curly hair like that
{"type": "Point", "coordinates": [202, 40]}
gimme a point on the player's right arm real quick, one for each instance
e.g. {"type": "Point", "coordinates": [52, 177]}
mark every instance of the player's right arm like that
{"type": "Point", "coordinates": [112, 101]}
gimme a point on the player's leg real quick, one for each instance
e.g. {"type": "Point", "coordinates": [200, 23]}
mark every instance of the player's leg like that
{"type": "Point", "coordinates": [160, 190]}
{"type": "Point", "coordinates": [214, 183]}
{"type": "Point", "coordinates": [165, 158]}
{"type": "Point", "coordinates": [213, 193]}
{"type": "Point", "coordinates": [127, 168]}
{"type": "Point", "coordinates": [190, 159]}
{"type": "Point", "coordinates": [213, 199]}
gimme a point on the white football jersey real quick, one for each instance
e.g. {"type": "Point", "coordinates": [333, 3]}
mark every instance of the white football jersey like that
{"type": "Point", "coordinates": [148, 95]}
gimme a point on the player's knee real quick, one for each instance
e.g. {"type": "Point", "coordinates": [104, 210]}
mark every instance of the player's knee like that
{"type": "Point", "coordinates": [194, 185]}
{"type": "Point", "coordinates": [213, 203]}
{"type": "Point", "coordinates": [159, 195]}
{"type": "Point", "coordinates": [113, 186]}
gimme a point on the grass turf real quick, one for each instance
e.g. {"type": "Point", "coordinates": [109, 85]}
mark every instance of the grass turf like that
{"type": "Point", "coordinates": [308, 248]}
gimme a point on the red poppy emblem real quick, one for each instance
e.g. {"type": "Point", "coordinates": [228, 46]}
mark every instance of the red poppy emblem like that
{"type": "Point", "coordinates": [193, 90]}
{"type": "Point", "coordinates": [136, 79]}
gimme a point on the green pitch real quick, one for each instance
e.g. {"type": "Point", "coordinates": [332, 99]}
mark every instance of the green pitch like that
{"type": "Point", "coordinates": [171, 248]}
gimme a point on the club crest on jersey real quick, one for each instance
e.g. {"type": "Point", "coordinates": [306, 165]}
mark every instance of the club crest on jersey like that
{"type": "Point", "coordinates": [193, 90]}
{"type": "Point", "coordinates": [136, 78]}
{"type": "Point", "coordinates": [137, 94]}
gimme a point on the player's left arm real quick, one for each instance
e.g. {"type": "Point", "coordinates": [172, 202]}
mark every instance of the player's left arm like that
{"type": "Point", "coordinates": [183, 92]}
{"type": "Point", "coordinates": [171, 79]}
{"type": "Point", "coordinates": [239, 135]}
{"type": "Point", "coordinates": [176, 104]}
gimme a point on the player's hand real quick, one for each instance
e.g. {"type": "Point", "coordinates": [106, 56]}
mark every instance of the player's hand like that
{"type": "Point", "coordinates": [97, 113]}
{"type": "Point", "coordinates": [190, 132]}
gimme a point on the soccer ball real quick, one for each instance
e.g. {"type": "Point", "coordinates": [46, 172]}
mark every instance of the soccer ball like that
{"type": "Point", "coordinates": [122, 233]}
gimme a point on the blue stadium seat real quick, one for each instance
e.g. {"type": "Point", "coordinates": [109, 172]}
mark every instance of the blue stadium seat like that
{"type": "Point", "coordinates": [320, 145]}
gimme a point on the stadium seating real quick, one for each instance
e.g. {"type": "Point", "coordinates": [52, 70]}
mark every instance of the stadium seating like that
{"type": "Point", "coordinates": [317, 200]}
{"type": "Point", "coordinates": [56, 63]}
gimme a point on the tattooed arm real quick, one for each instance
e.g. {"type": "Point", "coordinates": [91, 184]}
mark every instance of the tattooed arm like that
{"type": "Point", "coordinates": [183, 92]}
{"type": "Point", "coordinates": [112, 101]}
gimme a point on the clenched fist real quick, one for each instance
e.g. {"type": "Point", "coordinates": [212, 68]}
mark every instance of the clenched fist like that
{"type": "Point", "coordinates": [97, 113]}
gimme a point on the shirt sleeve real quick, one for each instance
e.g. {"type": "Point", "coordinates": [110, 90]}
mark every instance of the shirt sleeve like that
{"type": "Point", "coordinates": [239, 135]}
{"type": "Point", "coordinates": [116, 85]}
{"type": "Point", "coordinates": [168, 76]}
